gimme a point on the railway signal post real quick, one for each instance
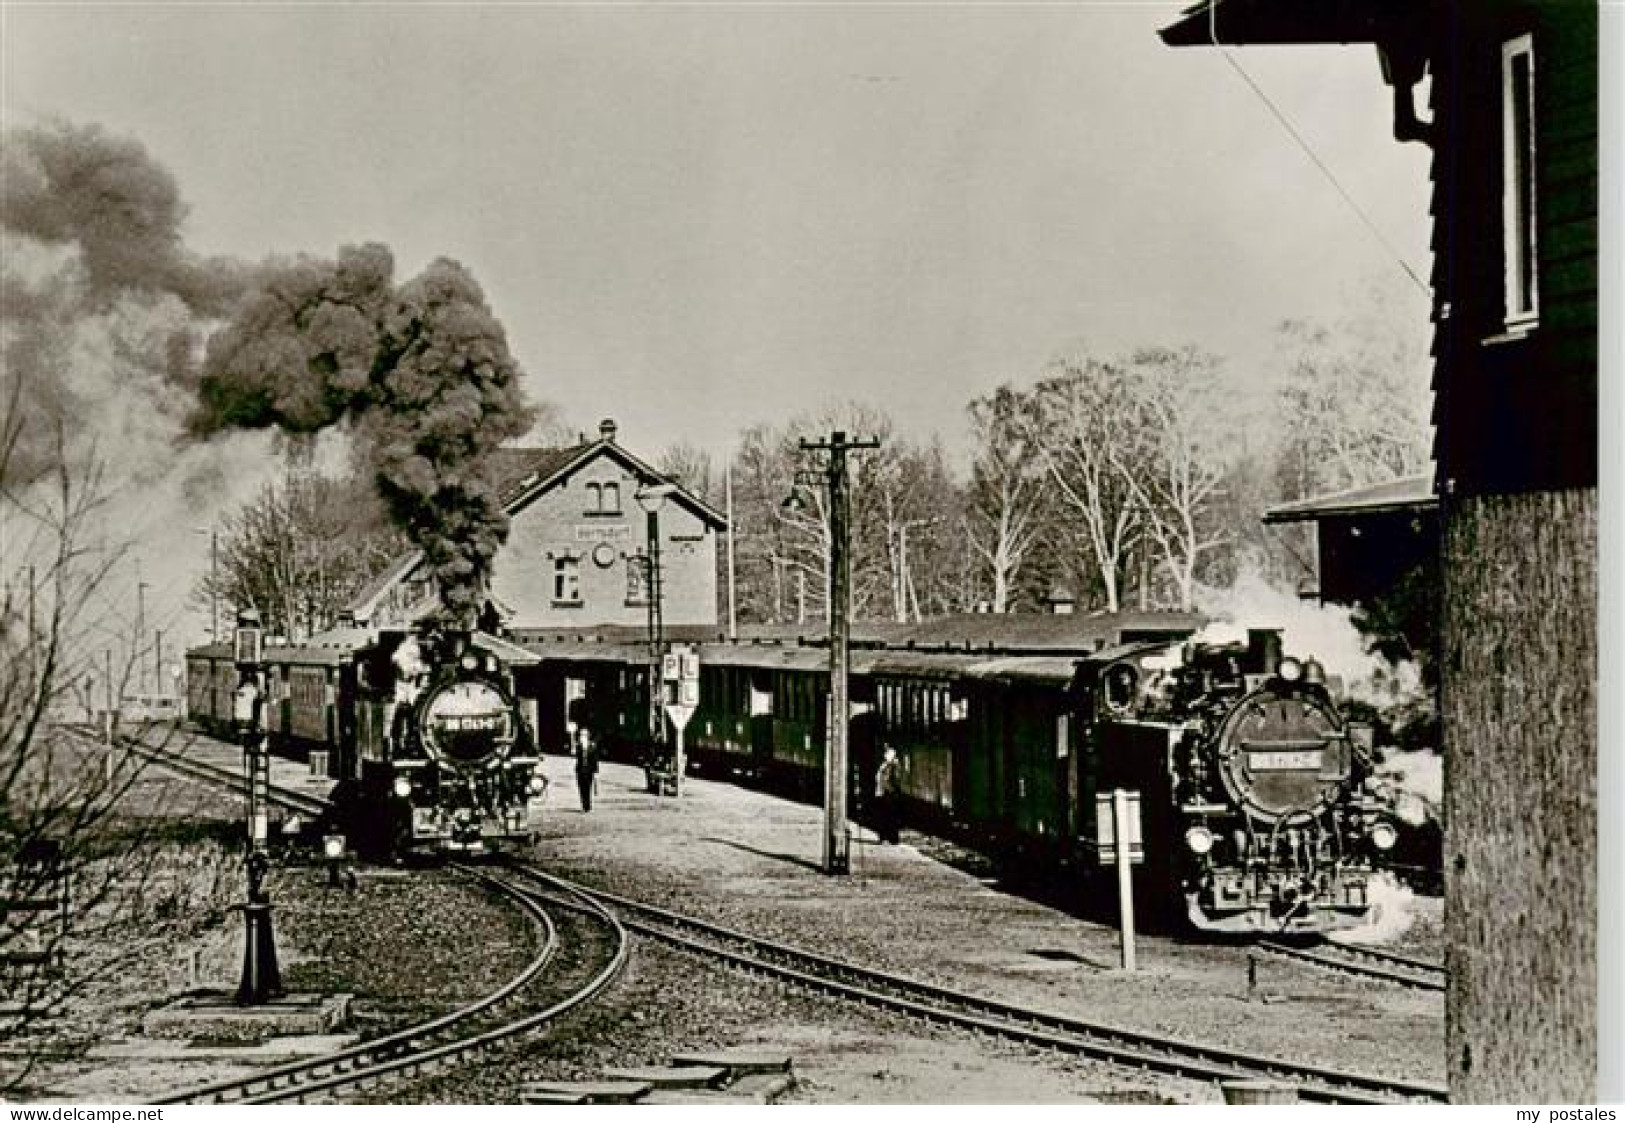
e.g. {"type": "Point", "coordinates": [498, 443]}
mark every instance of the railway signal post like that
{"type": "Point", "coordinates": [837, 847]}
{"type": "Point", "coordinates": [261, 979]}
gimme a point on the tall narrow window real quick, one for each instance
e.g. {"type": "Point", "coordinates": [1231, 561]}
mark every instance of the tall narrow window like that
{"type": "Point", "coordinates": [566, 581]}
{"type": "Point", "coordinates": [1518, 180]}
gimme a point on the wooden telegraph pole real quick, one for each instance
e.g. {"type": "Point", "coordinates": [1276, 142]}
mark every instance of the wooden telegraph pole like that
{"type": "Point", "coordinates": [837, 851]}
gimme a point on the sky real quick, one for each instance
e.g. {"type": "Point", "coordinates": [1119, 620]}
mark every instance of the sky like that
{"type": "Point", "coordinates": [694, 218]}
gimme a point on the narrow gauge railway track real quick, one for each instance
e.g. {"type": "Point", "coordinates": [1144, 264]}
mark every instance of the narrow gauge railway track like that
{"type": "Point", "coordinates": [432, 1046]}
{"type": "Point", "coordinates": [1367, 963]}
{"type": "Point", "coordinates": [219, 776]}
{"type": "Point", "coordinates": [1128, 1048]}
{"type": "Point", "coordinates": [447, 1041]}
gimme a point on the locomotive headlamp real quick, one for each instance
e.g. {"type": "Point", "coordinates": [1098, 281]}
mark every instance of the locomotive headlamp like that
{"type": "Point", "coordinates": [333, 846]}
{"type": "Point", "coordinates": [1383, 835]}
{"type": "Point", "coordinates": [471, 662]}
{"type": "Point", "coordinates": [1199, 840]}
{"type": "Point", "coordinates": [1290, 670]}
{"type": "Point", "coordinates": [403, 786]}
{"type": "Point", "coordinates": [538, 784]}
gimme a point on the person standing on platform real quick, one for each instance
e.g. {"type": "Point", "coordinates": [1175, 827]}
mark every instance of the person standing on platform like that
{"type": "Point", "coordinates": [586, 754]}
{"type": "Point", "coordinates": [888, 794]}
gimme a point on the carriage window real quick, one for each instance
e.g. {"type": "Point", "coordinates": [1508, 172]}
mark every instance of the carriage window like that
{"type": "Point", "coordinates": [566, 581]}
{"type": "Point", "coordinates": [1518, 181]}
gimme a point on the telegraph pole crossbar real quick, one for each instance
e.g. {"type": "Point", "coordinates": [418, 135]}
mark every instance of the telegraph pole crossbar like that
{"type": "Point", "coordinates": [837, 848]}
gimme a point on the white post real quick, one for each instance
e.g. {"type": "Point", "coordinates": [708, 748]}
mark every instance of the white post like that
{"type": "Point", "coordinates": [1125, 882]}
{"type": "Point", "coordinates": [677, 781]}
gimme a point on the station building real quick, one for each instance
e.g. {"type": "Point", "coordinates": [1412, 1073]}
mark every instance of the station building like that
{"type": "Point", "coordinates": [581, 523]}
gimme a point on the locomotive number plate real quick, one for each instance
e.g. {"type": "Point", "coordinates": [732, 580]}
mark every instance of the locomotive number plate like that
{"type": "Point", "coordinates": [1294, 761]}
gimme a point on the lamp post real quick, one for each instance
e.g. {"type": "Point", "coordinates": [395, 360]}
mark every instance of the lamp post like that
{"type": "Point", "coordinates": [261, 978]}
{"type": "Point", "coordinates": [652, 498]}
{"type": "Point", "coordinates": [837, 850]}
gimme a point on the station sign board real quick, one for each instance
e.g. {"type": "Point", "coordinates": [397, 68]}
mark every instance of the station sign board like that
{"type": "Point", "coordinates": [680, 683]}
{"type": "Point", "coordinates": [1106, 833]}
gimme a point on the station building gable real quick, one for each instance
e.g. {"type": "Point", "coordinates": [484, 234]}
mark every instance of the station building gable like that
{"type": "Point", "coordinates": [578, 544]}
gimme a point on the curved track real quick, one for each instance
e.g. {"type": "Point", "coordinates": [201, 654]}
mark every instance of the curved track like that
{"type": "Point", "coordinates": [941, 1005]}
{"type": "Point", "coordinates": [1367, 963]}
{"type": "Point", "coordinates": [496, 1019]}
{"type": "Point", "coordinates": [440, 1044]}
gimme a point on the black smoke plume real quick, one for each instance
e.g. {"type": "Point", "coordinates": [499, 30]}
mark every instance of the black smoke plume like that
{"type": "Point", "coordinates": [419, 372]}
{"type": "Point", "coordinates": [98, 298]}
{"type": "Point", "coordinates": [75, 185]}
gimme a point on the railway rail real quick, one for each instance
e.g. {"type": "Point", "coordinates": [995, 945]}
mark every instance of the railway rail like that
{"type": "Point", "coordinates": [499, 1017]}
{"type": "Point", "coordinates": [220, 776]}
{"type": "Point", "coordinates": [941, 1005]}
{"type": "Point", "coordinates": [1364, 962]}
{"type": "Point", "coordinates": [445, 1042]}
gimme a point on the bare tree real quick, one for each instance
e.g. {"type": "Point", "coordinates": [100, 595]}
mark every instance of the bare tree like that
{"type": "Point", "coordinates": [1083, 436]}
{"type": "Point", "coordinates": [86, 888]}
{"type": "Point", "coordinates": [1004, 511]}
{"type": "Point", "coordinates": [690, 465]}
{"type": "Point", "coordinates": [301, 550]}
{"type": "Point", "coordinates": [1353, 401]}
{"type": "Point", "coordinates": [1176, 458]}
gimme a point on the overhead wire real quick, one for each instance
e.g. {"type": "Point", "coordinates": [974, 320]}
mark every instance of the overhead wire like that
{"type": "Point", "coordinates": [1308, 150]}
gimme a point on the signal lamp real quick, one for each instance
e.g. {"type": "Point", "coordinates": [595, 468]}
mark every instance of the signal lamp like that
{"type": "Point", "coordinates": [403, 786]}
{"type": "Point", "coordinates": [333, 846]}
{"type": "Point", "coordinates": [1199, 840]}
{"type": "Point", "coordinates": [1290, 670]}
{"type": "Point", "coordinates": [1383, 835]}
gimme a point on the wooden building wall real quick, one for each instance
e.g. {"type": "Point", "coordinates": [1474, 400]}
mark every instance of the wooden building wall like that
{"type": "Point", "coordinates": [1515, 411]}
{"type": "Point", "coordinates": [1516, 454]}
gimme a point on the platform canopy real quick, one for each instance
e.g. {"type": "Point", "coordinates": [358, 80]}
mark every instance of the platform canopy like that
{"type": "Point", "coordinates": [1412, 493]}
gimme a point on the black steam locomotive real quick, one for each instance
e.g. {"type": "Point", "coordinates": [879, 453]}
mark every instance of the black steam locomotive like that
{"type": "Point", "coordinates": [1252, 785]}
{"type": "Point", "coordinates": [447, 760]}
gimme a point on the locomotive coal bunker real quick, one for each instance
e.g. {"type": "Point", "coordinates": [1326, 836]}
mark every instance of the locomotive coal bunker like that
{"type": "Point", "coordinates": [1252, 784]}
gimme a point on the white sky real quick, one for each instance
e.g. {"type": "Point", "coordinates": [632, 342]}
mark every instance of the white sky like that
{"type": "Point", "coordinates": [696, 218]}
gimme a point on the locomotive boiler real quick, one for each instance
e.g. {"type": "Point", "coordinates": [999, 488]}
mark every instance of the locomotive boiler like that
{"type": "Point", "coordinates": [1252, 784]}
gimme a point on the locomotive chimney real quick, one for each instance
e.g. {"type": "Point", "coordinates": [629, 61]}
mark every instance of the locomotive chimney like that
{"type": "Point", "coordinates": [1263, 650]}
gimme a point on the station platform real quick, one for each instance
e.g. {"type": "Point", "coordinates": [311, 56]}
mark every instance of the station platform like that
{"type": "Point", "coordinates": [929, 910]}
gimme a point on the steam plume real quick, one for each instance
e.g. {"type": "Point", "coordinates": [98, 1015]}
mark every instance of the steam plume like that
{"type": "Point", "coordinates": [421, 372]}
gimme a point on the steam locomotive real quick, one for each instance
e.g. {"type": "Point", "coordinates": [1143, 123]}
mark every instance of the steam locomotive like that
{"type": "Point", "coordinates": [432, 750]}
{"type": "Point", "coordinates": [448, 762]}
{"type": "Point", "coordinates": [1252, 786]}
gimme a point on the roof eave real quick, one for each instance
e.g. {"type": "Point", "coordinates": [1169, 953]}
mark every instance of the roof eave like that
{"type": "Point", "coordinates": [1235, 23]}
